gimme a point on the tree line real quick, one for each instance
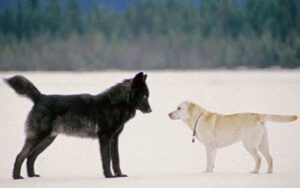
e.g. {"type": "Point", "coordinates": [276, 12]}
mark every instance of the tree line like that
{"type": "Point", "coordinates": [189, 34]}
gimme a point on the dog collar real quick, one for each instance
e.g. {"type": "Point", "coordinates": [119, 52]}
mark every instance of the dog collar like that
{"type": "Point", "coordinates": [194, 131]}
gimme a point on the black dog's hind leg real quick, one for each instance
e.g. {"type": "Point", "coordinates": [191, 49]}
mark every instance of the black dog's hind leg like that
{"type": "Point", "coordinates": [29, 145]}
{"type": "Point", "coordinates": [115, 156]}
{"type": "Point", "coordinates": [36, 152]}
{"type": "Point", "coordinates": [105, 155]}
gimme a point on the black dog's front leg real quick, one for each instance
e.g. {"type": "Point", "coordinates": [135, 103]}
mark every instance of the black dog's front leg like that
{"type": "Point", "coordinates": [105, 155]}
{"type": "Point", "coordinates": [115, 157]}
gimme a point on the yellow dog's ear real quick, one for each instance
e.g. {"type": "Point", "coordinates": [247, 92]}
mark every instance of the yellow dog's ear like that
{"type": "Point", "coordinates": [191, 108]}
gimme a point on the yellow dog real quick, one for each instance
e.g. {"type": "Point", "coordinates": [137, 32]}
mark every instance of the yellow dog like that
{"type": "Point", "coordinates": [216, 130]}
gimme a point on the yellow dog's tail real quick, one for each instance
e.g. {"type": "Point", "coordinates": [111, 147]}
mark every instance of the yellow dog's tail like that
{"type": "Point", "coordinates": [277, 118]}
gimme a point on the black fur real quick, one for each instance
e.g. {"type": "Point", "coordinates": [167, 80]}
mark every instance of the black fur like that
{"type": "Point", "coordinates": [95, 116]}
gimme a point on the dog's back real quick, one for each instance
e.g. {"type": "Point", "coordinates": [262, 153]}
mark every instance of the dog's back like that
{"type": "Point", "coordinates": [70, 115]}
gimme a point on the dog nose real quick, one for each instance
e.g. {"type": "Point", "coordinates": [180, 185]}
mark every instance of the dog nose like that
{"type": "Point", "coordinates": [170, 115]}
{"type": "Point", "coordinates": [149, 110]}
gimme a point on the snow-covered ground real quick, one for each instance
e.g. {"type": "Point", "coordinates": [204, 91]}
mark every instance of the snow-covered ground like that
{"type": "Point", "coordinates": [155, 151]}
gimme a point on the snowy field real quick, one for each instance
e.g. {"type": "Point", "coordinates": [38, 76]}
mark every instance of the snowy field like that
{"type": "Point", "coordinates": [155, 151]}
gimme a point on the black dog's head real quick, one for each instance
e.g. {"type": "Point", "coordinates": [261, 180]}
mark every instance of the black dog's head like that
{"type": "Point", "coordinates": [140, 93]}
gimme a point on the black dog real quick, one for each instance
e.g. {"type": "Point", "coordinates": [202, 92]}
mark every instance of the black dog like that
{"type": "Point", "coordinates": [101, 116]}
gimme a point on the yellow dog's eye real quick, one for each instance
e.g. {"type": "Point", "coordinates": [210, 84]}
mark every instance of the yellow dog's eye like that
{"type": "Point", "coordinates": [178, 108]}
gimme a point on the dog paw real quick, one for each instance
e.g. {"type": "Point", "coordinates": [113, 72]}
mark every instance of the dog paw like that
{"type": "Point", "coordinates": [18, 177]}
{"type": "Point", "coordinates": [117, 176]}
{"type": "Point", "coordinates": [109, 176]}
{"type": "Point", "coordinates": [121, 176]}
{"type": "Point", "coordinates": [34, 176]}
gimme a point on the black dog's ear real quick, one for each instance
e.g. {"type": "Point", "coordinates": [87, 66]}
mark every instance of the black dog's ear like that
{"type": "Point", "coordinates": [139, 78]}
{"type": "Point", "coordinates": [145, 77]}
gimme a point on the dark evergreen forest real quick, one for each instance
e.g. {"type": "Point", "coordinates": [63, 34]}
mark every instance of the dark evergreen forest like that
{"type": "Point", "coordinates": [150, 34]}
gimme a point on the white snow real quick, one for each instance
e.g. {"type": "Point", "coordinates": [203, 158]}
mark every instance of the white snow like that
{"type": "Point", "coordinates": [156, 151]}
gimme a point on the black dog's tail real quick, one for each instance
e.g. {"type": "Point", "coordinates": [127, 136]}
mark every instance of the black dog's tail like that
{"type": "Point", "coordinates": [22, 86]}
